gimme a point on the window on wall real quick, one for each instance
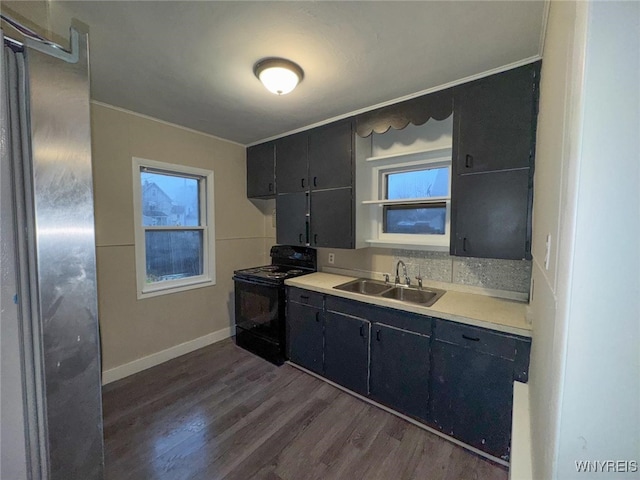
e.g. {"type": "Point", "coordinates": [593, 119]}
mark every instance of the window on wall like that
{"type": "Point", "coordinates": [174, 227]}
{"type": "Point", "coordinates": [404, 186]}
{"type": "Point", "coordinates": [415, 201]}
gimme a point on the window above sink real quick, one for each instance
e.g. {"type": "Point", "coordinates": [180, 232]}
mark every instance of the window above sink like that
{"type": "Point", "coordinates": [404, 187]}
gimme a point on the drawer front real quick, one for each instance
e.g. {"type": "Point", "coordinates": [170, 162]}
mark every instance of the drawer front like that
{"type": "Point", "coordinates": [477, 339]}
{"type": "Point", "coordinates": [375, 314]}
{"type": "Point", "coordinates": [305, 297]}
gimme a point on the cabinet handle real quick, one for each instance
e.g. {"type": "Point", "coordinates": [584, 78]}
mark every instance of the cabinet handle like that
{"type": "Point", "coordinates": [464, 244]}
{"type": "Point", "coordinates": [271, 187]}
{"type": "Point", "coordinates": [304, 297]}
{"type": "Point", "coordinates": [302, 182]}
{"type": "Point", "coordinates": [317, 316]}
{"type": "Point", "coordinates": [315, 238]}
{"type": "Point", "coordinates": [300, 238]}
{"type": "Point", "coordinates": [362, 330]}
{"type": "Point", "coordinates": [473, 339]}
{"type": "Point", "coordinates": [468, 161]}
{"type": "Point", "coordinates": [378, 335]}
{"type": "Point", "coordinates": [315, 181]}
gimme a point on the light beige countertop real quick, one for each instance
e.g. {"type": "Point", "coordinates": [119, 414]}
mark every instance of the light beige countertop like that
{"type": "Point", "coordinates": [479, 310]}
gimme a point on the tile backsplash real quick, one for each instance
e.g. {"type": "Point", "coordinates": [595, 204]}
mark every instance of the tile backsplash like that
{"type": "Point", "coordinates": [494, 274]}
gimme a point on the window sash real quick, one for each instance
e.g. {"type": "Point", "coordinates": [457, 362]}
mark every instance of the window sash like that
{"type": "Point", "coordinates": [413, 206]}
{"type": "Point", "coordinates": [206, 227]}
{"type": "Point", "coordinates": [415, 168]}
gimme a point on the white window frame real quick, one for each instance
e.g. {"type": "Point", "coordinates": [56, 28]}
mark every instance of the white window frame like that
{"type": "Point", "coordinates": [207, 227]}
{"type": "Point", "coordinates": [399, 164]}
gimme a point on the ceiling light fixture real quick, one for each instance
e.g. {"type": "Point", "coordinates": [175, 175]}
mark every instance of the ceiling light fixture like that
{"type": "Point", "coordinates": [278, 75]}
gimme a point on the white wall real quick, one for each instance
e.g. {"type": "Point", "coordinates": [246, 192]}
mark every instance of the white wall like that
{"type": "Point", "coordinates": [585, 365]}
{"type": "Point", "coordinates": [600, 409]}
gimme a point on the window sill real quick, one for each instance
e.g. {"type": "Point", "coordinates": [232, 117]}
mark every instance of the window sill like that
{"type": "Point", "coordinates": [407, 245]}
{"type": "Point", "coordinates": [166, 290]}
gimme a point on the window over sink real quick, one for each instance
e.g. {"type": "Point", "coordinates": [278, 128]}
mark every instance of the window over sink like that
{"type": "Point", "coordinates": [174, 227]}
{"type": "Point", "coordinates": [407, 187]}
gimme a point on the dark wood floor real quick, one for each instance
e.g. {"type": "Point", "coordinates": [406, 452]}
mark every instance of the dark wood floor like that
{"type": "Point", "coordinates": [222, 413]}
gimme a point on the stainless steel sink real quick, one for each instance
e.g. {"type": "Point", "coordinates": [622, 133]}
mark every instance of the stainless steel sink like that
{"type": "Point", "coordinates": [364, 286]}
{"type": "Point", "coordinates": [425, 297]}
{"type": "Point", "coordinates": [421, 296]}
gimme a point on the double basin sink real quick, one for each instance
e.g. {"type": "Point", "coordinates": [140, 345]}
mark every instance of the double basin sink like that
{"type": "Point", "coordinates": [420, 296]}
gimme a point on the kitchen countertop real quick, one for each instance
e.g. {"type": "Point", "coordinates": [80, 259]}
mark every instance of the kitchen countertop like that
{"type": "Point", "coordinates": [478, 310]}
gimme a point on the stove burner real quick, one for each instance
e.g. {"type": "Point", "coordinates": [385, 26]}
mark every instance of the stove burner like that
{"type": "Point", "coordinates": [277, 275]}
{"type": "Point", "coordinates": [269, 268]}
{"type": "Point", "coordinates": [295, 271]}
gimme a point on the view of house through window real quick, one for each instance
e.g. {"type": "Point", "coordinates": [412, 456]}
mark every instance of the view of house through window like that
{"type": "Point", "coordinates": [172, 217]}
{"type": "Point", "coordinates": [171, 200]}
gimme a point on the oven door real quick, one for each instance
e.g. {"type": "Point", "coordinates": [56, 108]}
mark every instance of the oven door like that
{"type": "Point", "coordinates": [260, 311]}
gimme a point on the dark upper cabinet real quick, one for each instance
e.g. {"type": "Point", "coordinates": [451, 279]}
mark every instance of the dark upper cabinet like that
{"type": "Point", "coordinates": [331, 217]}
{"type": "Point", "coordinates": [399, 374]}
{"type": "Point", "coordinates": [491, 215]}
{"type": "Point", "coordinates": [493, 155]}
{"type": "Point", "coordinates": [261, 180]}
{"type": "Point", "coordinates": [495, 120]}
{"type": "Point", "coordinates": [292, 224]}
{"type": "Point", "coordinates": [292, 170]}
{"type": "Point", "coordinates": [331, 156]}
{"type": "Point", "coordinates": [318, 162]}
{"type": "Point", "coordinates": [346, 351]}
{"type": "Point", "coordinates": [305, 341]}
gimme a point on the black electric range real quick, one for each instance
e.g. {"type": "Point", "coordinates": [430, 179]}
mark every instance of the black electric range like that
{"type": "Point", "coordinates": [260, 300]}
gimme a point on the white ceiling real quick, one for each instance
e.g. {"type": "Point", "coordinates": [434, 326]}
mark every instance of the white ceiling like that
{"type": "Point", "coordinates": [191, 63]}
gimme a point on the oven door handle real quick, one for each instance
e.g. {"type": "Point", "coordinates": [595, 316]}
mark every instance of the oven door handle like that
{"type": "Point", "coordinates": [256, 282]}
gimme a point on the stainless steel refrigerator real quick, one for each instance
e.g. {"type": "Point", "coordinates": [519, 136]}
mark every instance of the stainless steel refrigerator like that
{"type": "Point", "coordinates": [50, 387]}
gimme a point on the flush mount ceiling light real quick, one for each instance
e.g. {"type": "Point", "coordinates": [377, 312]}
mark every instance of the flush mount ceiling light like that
{"type": "Point", "coordinates": [278, 75]}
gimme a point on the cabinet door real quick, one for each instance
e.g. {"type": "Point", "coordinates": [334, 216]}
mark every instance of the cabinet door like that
{"type": "Point", "coordinates": [491, 215]}
{"type": "Point", "coordinates": [261, 180]}
{"type": "Point", "coordinates": [331, 217]}
{"type": "Point", "coordinates": [291, 163]}
{"type": "Point", "coordinates": [471, 397]}
{"type": "Point", "coordinates": [399, 376]}
{"type": "Point", "coordinates": [346, 351]}
{"type": "Point", "coordinates": [304, 336]}
{"type": "Point", "coordinates": [495, 120]}
{"type": "Point", "coordinates": [331, 156]}
{"type": "Point", "coordinates": [291, 218]}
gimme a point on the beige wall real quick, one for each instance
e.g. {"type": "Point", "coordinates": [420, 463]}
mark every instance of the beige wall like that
{"type": "Point", "coordinates": [133, 328]}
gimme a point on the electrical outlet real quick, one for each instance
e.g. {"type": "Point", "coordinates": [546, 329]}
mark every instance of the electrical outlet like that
{"type": "Point", "coordinates": [332, 258]}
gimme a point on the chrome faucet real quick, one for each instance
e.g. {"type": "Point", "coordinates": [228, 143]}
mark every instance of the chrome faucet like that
{"type": "Point", "coordinates": [407, 279]}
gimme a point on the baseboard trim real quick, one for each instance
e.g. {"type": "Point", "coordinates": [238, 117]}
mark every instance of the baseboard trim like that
{"type": "Point", "coordinates": [521, 461]}
{"type": "Point", "coordinates": [162, 356]}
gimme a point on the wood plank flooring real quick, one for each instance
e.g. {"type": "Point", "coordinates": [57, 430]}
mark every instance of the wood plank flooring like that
{"type": "Point", "coordinates": [223, 413]}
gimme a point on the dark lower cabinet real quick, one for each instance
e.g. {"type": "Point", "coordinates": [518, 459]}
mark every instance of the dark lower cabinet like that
{"type": "Point", "coordinates": [399, 375]}
{"type": "Point", "coordinates": [305, 341]}
{"type": "Point", "coordinates": [346, 351]}
{"type": "Point", "coordinates": [471, 395]}
{"type": "Point", "coordinates": [453, 377]}
{"type": "Point", "coordinates": [291, 219]}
